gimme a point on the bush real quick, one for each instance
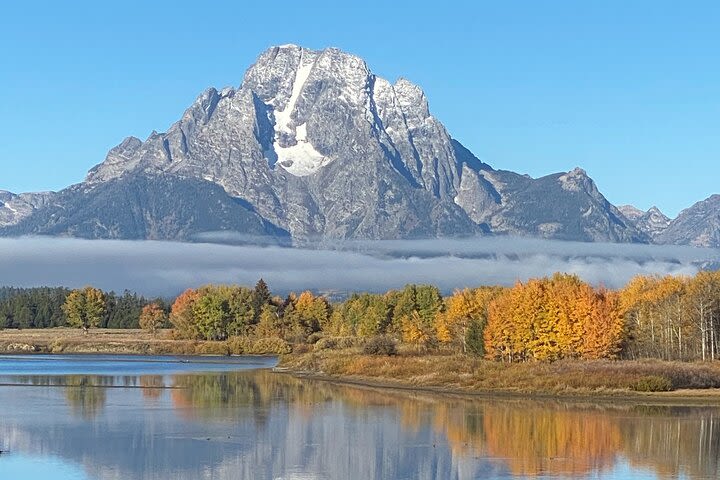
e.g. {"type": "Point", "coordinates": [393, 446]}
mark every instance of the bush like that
{"type": "Point", "coordinates": [380, 345]}
{"type": "Point", "coordinates": [347, 342]}
{"type": "Point", "coordinates": [296, 337]}
{"type": "Point", "coordinates": [212, 348]}
{"type": "Point", "coordinates": [302, 348]}
{"type": "Point", "coordinates": [270, 345]}
{"type": "Point", "coordinates": [653, 383]}
{"type": "Point", "coordinates": [327, 343]}
{"type": "Point", "coordinates": [337, 343]}
{"type": "Point", "coordinates": [239, 345]}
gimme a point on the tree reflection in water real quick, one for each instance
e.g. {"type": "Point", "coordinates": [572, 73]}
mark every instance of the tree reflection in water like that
{"type": "Point", "coordinates": [152, 386]}
{"type": "Point", "coordinates": [531, 438]}
{"type": "Point", "coordinates": [87, 394]}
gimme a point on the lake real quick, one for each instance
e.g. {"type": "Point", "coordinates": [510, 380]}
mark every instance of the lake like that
{"type": "Point", "coordinates": [112, 417]}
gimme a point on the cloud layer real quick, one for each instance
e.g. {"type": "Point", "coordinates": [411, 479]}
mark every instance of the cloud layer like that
{"type": "Point", "coordinates": [166, 268]}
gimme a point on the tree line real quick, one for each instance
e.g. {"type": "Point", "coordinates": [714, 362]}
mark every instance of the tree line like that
{"type": "Point", "coordinates": [43, 308]}
{"type": "Point", "coordinates": [545, 319]}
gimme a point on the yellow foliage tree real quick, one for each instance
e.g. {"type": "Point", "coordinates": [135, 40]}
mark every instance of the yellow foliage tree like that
{"type": "Point", "coordinates": [415, 331]}
{"type": "Point", "coordinates": [152, 318]}
{"type": "Point", "coordinates": [552, 318]}
{"type": "Point", "coordinates": [462, 309]}
{"type": "Point", "coordinates": [181, 314]}
{"type": "Point", "coordinates": [85, 308]}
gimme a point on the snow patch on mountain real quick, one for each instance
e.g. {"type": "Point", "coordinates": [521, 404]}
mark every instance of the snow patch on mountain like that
{"type": "Point", "coordinates": [295, 154]}
{"type": "Point", "coordinates": [283, 118]}
{"type": "Point", "coordinates": [300, 159]}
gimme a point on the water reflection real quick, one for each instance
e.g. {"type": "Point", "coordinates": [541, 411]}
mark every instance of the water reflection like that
{"type": "Point", "coordinates": [86, 395]}
{"type": "Point", "coordinates": [259, 424]}
{"type": "Point", "coordinates": [152, 386]}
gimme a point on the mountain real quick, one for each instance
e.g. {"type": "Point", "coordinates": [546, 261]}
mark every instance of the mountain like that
{"type": "Point", "coordinates": [698, 225]}
{"type": "Point", "coordinates": [14, 208]}
{"type": "Point", "coordinates": [314, 145]}
{"type": "Point", "coordinates": [652, 223]}
{"type": "Point", "coordinates": [566, 206]}
{"type": "Point", "coordinates": [144, 207]}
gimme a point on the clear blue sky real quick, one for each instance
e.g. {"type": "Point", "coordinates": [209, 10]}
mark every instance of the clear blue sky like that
{"type": "Point", "coordinates": [629, 90]}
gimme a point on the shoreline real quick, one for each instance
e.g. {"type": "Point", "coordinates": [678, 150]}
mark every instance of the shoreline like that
{"type": "Point", "coordinates": [458, 376]}
{"type": "Point", "coordinates": [434, 373]}
{"type": "Point", "coordinates": [679, 398]}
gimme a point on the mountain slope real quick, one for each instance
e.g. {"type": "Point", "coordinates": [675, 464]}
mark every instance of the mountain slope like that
{"type": "Point", "coordinates": [566, 206]}
{"type": "Point", "coordinates": [698, 225]}
{"type": "Point", "coordinates": [144, 207]}
{"type": "Point", "coordinates": [653, 222]}
{"type": "Point", "coordinates": [13, 207]}
{"type": "Point", "coordinates": [317, 145]}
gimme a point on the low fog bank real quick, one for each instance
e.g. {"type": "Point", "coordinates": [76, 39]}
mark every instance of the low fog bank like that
{"type": "Point", "coordinates": [166, 268]}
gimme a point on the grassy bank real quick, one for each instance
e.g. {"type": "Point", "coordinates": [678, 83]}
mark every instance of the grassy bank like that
{"type": "Point", "coordinates": [120, 341]}
{"type": "Point", "coordinates": [130, 342]}
{"type": "Point", "coordinates": [408, 369]}
{"type": "Point", "coordinates": [460, 373]}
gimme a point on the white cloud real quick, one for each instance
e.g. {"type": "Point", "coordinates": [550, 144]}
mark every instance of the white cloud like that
{"type": "Point", "coordinates": [166, 268]}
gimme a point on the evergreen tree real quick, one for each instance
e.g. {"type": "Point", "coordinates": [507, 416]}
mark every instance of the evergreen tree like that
{"type": "Point", "coordinates": [474, 342]}
{"type": "Point", "coordinates": [261, 297]}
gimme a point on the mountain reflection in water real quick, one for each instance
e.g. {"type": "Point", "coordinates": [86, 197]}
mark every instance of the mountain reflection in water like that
{"type": "Point", "coordinates": [263, 425]}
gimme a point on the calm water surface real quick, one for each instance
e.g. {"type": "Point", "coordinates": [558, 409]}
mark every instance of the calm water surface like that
{"type": "Point", "coordinates": [109, 417]}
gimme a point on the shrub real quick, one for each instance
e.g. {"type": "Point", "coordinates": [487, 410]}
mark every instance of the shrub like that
{"type": "Point", "coordinates": [653, 383]}
{"type": "Point", "coordinates": [338, 343]}
{"type": "Point", "coordinates": [328, 343]}
{"type": "Point", "coordinates": [239, 345]}
{"type": "Point", "coordinates": [380, 345]}
{"type": "Point", "coordinates": [295, 337]}
{"type": "Point", "coordinates": [302, 348]}
{"type": "Point", "coordinates": [270, 345]}
{"type": "Point", "coordinates": [212, 348]}
{"type": "Point", "coordinates": [348, 342]}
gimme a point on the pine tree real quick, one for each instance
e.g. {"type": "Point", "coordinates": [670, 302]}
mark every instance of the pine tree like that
{"type": "Point", "coordinates": [261, 297]}
{"type": "Point", "coordinates": [474, 341]}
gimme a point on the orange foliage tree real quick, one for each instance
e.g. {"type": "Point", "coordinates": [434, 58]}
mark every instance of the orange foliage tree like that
{"type": "Point", "coordinates": [552, 318]}
{"type": "Point", "coordinates": [152, 317]}
{"type": "Point", "coordinates": [181, 314]}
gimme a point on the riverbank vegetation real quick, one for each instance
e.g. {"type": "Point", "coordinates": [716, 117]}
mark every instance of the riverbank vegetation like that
{"type": "Point", "coordinates": [462, 373]}
{"type": "Point", "coordinates": [537, 327]}
{"type": "Point", "coordinates": [547, 319]}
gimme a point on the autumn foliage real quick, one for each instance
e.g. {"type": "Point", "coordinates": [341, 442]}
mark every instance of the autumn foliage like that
{"type": "Point", "coordinates": [85, 308]}
{"type": "Point", "coordinates": [152, 317]}
{"type": "Point", "coordinates": [543, 319]}
{"type": "Point", "coordinates": [554, 318]}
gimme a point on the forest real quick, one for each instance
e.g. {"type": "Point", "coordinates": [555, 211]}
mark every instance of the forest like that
{"type": "Point", "coordinates": [544, 319]}
{"type": "Point", "coordinates": [43, 308]}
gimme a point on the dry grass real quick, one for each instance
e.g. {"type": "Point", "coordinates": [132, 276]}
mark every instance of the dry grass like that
{"type": "Point", "coordinates": [127, 341]}
{"type": "Point", "coordinates": [463, 373]}
{"type": "Point", "coordinates": [68, 340]}
{"type": "Point", "coordinates": [407, 368]}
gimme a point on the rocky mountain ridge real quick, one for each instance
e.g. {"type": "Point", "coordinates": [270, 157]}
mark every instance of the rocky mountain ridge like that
{"type": "Point", "coordinates": [652, 223]}
{"type": "Point", "coordinates": [312, 144]}
{"type": "Point", "coordinates": [698, 225]}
